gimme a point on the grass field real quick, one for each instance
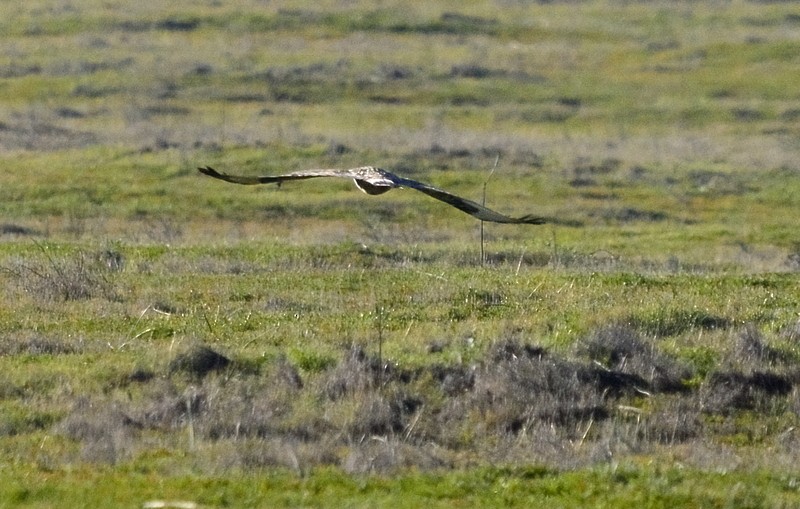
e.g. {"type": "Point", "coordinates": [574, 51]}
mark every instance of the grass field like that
{"type": "Point", "coordinates": [168, 338]}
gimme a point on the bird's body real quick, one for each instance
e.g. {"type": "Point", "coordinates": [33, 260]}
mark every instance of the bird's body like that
{"type": "Point", "coordinates": [375, 181]}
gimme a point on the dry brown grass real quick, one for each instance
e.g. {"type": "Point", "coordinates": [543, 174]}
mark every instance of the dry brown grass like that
{"type": "Point", "coordinates": [620, 394]}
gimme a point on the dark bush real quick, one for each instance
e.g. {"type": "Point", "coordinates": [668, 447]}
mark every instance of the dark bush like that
{"type": "Point", "coordinates": [727, 391]}
{"type": "Point", "coordinates": [621, 348]}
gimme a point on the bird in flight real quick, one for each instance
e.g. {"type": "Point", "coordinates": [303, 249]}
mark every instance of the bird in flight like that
{"type": "Point", "coordinates": [373, 181]}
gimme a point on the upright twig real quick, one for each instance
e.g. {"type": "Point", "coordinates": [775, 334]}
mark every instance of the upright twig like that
{"type": "Point", "coordinates": [555, 258]}
{"type": "Point", "coordinates": [379, 320]}
{"type": "Point", "coordinates": [222, 128]}
{"type": "Point", "coordinates": [189, 419]}
{"type": "Point", "coordinates": [485, 182]}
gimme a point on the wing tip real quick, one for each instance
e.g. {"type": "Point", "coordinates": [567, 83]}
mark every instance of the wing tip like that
{"type": "Point", "coordinates": [531, 219]}
{"type": "Point", "coordinates": [208, 170]}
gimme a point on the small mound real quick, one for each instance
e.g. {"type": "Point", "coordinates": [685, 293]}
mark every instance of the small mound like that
{"type": "Point", "coordinates": [198, 361]}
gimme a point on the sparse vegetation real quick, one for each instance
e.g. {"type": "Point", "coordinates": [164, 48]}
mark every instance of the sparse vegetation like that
{"type": "Point", "coordinates": [167, 337]}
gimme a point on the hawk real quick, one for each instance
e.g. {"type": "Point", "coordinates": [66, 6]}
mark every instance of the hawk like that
{"type": "Point", "coordinates": [374, 181]}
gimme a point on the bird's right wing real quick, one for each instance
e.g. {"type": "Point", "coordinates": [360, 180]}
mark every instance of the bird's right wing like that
{"type": "Point", "coordinates": [276, 179]}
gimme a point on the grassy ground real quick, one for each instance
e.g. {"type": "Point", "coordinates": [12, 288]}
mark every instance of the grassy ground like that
{"type": "Point", "coordinates": [164, 336]}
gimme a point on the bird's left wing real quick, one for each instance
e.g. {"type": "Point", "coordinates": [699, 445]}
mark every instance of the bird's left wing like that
{"type": "Point", "coordinates": [470, 207]}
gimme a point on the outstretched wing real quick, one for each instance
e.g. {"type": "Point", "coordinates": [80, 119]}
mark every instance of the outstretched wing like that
{"type": "Point", "coordinates": [276, 179]}
{"type": "Point", "coordinates": [470, 207]}
{"type": "Point", "coordinates": [367, 178]}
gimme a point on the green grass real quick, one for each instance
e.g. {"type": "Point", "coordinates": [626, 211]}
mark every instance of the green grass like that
{"type": "Point", "coordinates": [516, 487]}
{"type": "Point", "coordinates": [639, 350]}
